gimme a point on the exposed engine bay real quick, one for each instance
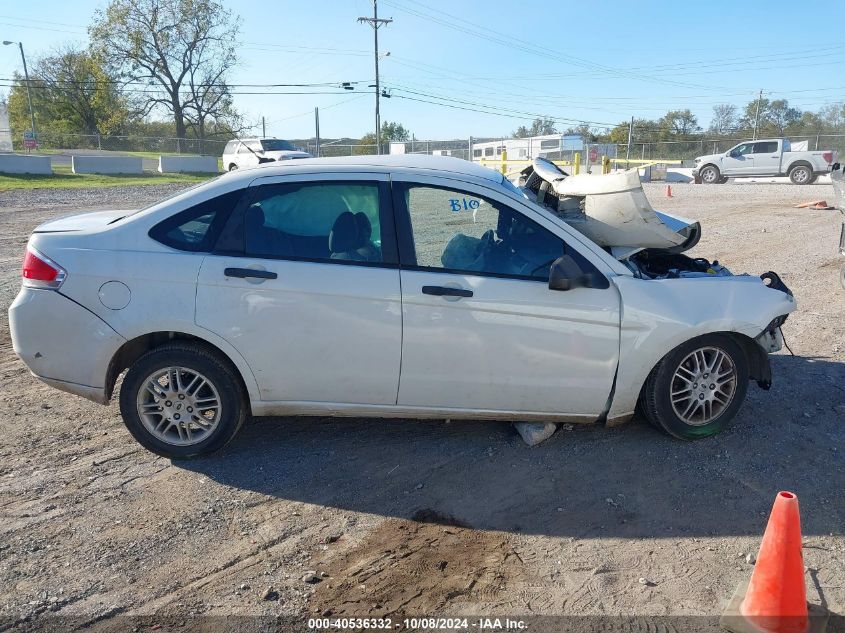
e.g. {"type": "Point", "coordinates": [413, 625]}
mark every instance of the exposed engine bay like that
{"type": "Point", "coordinates": [613, 211]}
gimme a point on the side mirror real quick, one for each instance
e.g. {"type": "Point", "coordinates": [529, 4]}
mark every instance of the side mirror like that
{"type": "Point", "coordinates": [566, 274]}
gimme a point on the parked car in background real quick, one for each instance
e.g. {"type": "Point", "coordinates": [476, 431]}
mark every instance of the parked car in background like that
{"type": "Point", "coordinates": [249, 152]}
{"type": "Point", "coordinates": [395, 286]}
{"type": "Point", "coordinates": [763, 157]}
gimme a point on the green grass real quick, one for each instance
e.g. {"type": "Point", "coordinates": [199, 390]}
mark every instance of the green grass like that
{"type": "Point", "coordinates": [62, 178]}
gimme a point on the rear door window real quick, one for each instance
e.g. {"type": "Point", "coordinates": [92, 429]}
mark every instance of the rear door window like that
{"type": "Point", "coordinates": [331, 222]}
{"type": "Point", "coordinates": [195, 229]}
{"type": "Point", "coordinates": [766, 147]}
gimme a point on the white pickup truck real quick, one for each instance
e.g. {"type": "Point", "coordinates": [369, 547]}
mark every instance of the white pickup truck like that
{"type": "Point", "coordinates": [763, 157]}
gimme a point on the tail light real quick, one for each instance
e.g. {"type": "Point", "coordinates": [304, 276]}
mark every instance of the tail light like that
{"type": "Point", "coordinates": [39, 271]}
{"type": "Point", "coordinates": [827, 156]}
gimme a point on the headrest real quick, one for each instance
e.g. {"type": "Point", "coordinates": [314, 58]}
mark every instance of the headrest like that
{"type": "Point", "coordinates": [365, 228]}
{"type": "Point", "coordinates": [344, 234]}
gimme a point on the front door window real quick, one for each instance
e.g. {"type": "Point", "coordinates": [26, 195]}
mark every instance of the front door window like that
{"type": "Point", "coordinates": [462, 232]}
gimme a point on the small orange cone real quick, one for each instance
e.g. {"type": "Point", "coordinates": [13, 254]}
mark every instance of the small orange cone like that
{"type": "Point", "coordinates": [775, 600]}
{"type": "Point", "coordinates": [668, 191]}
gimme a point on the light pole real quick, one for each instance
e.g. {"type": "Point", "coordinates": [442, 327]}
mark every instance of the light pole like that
{"type": "Point", "coordinates": [28, 90]}
{"type": "Point", "coordinates": [375, 22]}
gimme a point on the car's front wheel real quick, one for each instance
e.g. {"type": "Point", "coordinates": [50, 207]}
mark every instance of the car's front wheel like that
{"type": "Point", "coordinates": [180, 400]}
{"type": "Point", "coordinates": [697, 388]}
{"type": "Point", "coordinates": [710, 175]}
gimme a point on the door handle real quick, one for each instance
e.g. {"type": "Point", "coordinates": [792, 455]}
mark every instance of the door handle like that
{"type": "Point", "coordinates": [445, 291]}
{"type": "Point", "coordinates": [246, 273]}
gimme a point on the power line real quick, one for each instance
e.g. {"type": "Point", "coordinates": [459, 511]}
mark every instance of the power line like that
{"type": "Point", "coordinates": [504, 39]}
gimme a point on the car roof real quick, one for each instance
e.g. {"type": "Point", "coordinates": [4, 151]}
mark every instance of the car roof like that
{"type": "Point", "coordinates": [403, 162]}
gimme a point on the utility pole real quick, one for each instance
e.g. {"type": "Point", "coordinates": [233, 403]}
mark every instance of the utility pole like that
{"type": "Point", "coordinates": [375, 22]}
{"type": "Point", "coordinates": [28, 89]}
{"type": "Point", "coordinates": [263, 128]}
{"type": "Point", "coordinates": [317, 132]}
{"type": "Point", "coordinates": [757, 115]}
{"type": "Point", "coordinates": [630, 139]}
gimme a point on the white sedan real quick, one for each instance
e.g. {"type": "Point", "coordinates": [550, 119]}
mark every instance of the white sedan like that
{"type": "Point", "coordinates": [394, 286]}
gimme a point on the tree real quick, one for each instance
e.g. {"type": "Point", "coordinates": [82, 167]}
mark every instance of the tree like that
{"type": "Point", "coordinates": [389, 132]}
{"type": "Point", "coordinates": [680, 123]}
{"type": "Point", "coordinates": [724, 119]}
{"type": "Point", "coordinates": [181, 50]}
{"type": "Point", "coordinates": [539, 127]}
{"type": "Point", "coordinates": [393, 132]}
{"type": "Point", "coordinates": [584, 131]}
{"type": "Point", "coordinates": [780, 116]}
{"type": "Point", "coordinates": [772, 118]}
{"type": "Point", "coordinates": [72, 93]}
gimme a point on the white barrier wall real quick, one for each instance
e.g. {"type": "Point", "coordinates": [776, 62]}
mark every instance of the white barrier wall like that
{"type": "Point", "coordinates": [195, 164]}
{"type": "Point", "coordinates": [679, 174]}
{"type": "Point", "coordinates": [23, 164]}
{"type": "Point", "coordinates": [107, 164]}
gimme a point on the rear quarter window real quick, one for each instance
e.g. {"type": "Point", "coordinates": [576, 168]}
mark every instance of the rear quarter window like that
{"type": "Point", "coordinates": [196, 229]}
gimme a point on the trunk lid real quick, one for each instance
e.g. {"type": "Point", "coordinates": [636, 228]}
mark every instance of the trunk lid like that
{"type": "Point", "coordinates": [77, 222]}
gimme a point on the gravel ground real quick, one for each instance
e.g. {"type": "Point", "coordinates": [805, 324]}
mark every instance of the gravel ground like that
{"type": "Point", "coordinates": [430, 517]}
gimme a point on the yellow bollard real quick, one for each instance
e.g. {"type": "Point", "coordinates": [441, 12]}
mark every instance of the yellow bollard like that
{"type": "Point", "coordinates": [605, 165]}
{"type": "Point", "coordinates": [504, 161]}
{"type": "Point", "coordinates": [576, 164]}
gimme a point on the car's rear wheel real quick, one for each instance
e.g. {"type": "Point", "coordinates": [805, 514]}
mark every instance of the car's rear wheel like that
{"type": "Point", "coordinates": [710, 175]}
{"type": "Point", "coordinates": [233, 167]}
{"type": "Point", "coordinates": [697, 388]}
{"type": "Point", "coordinates": [180, 400]}
{"type": "Point", "coordinates": [801, 175]}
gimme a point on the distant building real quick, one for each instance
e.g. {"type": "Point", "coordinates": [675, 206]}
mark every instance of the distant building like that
{"type": "Point", "coordinates": [5, 132]}
{"type": "Point", "coordinates": [552, 146]}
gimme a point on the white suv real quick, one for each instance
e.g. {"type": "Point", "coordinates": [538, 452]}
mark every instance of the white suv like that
{"type": "Point", "coordinates": [249, 152]}
{"type": "Point", "coordinates": [398, 286]}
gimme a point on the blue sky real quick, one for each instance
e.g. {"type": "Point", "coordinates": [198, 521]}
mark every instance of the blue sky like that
{"type": "Point", "coordinates": [597, 61]}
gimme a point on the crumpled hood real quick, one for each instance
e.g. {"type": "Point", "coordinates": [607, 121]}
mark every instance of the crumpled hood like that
{"type": "Point", "coordinates": [610, 209]}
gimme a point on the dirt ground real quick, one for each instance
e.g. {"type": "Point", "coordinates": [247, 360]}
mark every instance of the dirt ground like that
{"type": "Point", "coordinates": [302, 516]}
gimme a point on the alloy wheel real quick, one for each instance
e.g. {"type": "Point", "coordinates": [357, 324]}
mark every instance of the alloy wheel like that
{"type": "Point", "coordinates": [703, 386]}
{"type": "Point", "coordinates": [179, 406]}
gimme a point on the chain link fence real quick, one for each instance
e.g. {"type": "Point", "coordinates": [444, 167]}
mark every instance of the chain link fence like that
{"type": "Point", "coordinates": [484, 150]}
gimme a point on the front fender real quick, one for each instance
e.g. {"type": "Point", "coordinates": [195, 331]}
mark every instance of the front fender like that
{"type": "Point", "coordinates": [659, 315]}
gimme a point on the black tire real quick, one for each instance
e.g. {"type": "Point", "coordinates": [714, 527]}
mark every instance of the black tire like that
{"type": "Point", "coordinates": [802, 175]}
{"type": "Point", "coordinates": [709, 175]}
{"type": "Point", "coordinates": [656, 401]}
{"type": "Point", "coordinates": [233, 167]}
{"type": "Point", "coordinates": [233, 408]}
{"type": "Point", "coordinates": [723, 180]}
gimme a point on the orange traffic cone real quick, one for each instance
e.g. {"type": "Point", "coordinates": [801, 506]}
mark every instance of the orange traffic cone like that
{"type": "Point", "coordinates": [668, 191]}
{"type": "Point", "coordinates": [775, 600]}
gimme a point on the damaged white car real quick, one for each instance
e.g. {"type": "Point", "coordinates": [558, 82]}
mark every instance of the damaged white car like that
{"type": "Point", "coordinates": [395, 286]}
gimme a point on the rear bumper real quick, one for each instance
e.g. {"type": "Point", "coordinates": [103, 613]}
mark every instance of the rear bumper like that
{"type": "Point", "coordinates": [64, 344]}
